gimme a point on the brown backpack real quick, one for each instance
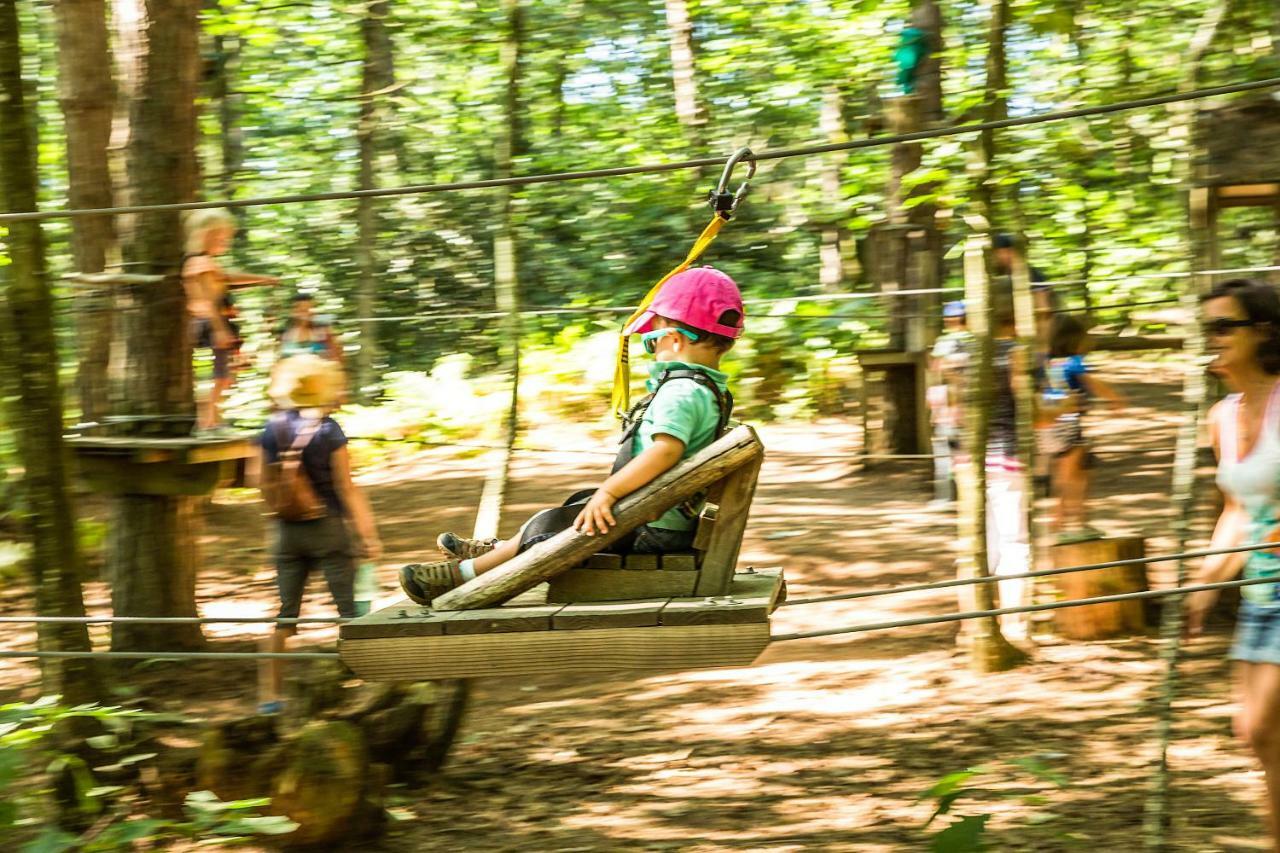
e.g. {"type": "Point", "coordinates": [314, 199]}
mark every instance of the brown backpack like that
{"type": "Point", "coordinates": [287, 489]}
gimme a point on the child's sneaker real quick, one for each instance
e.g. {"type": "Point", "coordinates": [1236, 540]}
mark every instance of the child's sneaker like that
{"type": "Point", "coordinates": [424, 581]}
{"type": "Point", "coordinates": [464, 549]}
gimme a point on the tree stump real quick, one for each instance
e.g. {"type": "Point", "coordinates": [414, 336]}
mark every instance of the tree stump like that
{"type": "Point", "coordinates": [1101, 621]}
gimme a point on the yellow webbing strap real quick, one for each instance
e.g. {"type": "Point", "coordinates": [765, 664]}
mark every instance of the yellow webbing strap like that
{"type": "Point", "coordinates": [622, 369]}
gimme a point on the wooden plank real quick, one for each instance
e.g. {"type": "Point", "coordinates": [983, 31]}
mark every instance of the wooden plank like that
{"type": "Point", "coordinates": [589, 651]}
{"type": "Point", "coordinates": [405, 619]}
{"type": "Point", "coordinates": [706, 526]}
{"type": "Point", "coordinates": [715, 610]}
{"type": "Point", "coordinates": [578, 585]}
{"type": "Point", "coordinates": [569, 547]}
{"type": "Point", "coordinates": [753, 583]}
{"type": "Point", "coordinates": [603, 561]}
{"type": "Point", "coordinates": [680, 562]}
{"type": "Point", "coordinates": [721, 556]}
{"type": "Point", "coordinates": [642, 563]}
{"type": "Point", "coordinates": [752, 597]}
{"type": "Point", "coordinates": [498, 620]}
{"type": "Point", "coordinates": [615, 614]}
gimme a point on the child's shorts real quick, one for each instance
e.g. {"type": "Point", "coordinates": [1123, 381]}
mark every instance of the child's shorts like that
{"type": "Point", "coordinates": [645, 539]}
{"type": "Point", "coordinates": [1257, 637]}
{"type": "Point", "coordinates": [1063, 436]}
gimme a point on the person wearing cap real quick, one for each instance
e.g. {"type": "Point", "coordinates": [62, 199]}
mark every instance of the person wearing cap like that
{"type": "Point", "coordinates": [306, 388]}
{"type": "Point", "coordinates": [691, 323]}
{"type": "Point", "coordinates": [948, 355]}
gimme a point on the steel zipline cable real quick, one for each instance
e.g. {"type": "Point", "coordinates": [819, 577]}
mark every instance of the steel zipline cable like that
{"type": "Point", "coordinates": [1030, 608]}
{"type": "Point", "coordinates": [1040, 573]}
{"type": "Point", "coordinates": [703, 162]}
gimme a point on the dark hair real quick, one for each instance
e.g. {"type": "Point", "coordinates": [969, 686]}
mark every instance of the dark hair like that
{"type": "Point", "coordinates": [301, 296]}
{"type": "Point", "coordinates": [1004, 241]}
{"type": "Point", "coordinates": [722, 343]}
{"type": "Point", "coordinates": [1261, 305]}
{"type": "Point", "coordinates": [1067, 336]}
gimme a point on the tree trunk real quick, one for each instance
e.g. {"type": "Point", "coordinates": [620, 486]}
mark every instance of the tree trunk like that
{"type": "Point", "coordinates": [225, 62]}
{"type": "Point", "coordinates": [995, 108]}
{"type": "Point", "coordinates": [378, 75]}
{"type": "Point", "coordinates": [690, 112]}
{"type": "Point", "coordinates": [989, 650]}
{"type": "Point", "coordinates": [153, 537]}
{"type": "Point", "coordinates": [510, 144]}
{"type": "Point", "coordinates": [830, 259]}
{"type": "Point", "coordinates": [915, 253]}
{"type": "Point", "coordinates": [30, 357]}
{"type": "Point", "coordinates": [86, 93]}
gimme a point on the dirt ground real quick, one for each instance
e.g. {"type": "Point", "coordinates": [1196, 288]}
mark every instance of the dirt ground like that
{"type": "Point", "coordinates": [821, 745]}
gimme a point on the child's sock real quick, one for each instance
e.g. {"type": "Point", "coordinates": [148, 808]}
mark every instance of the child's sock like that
{"type": "Point", "coordinates": [468, 569]}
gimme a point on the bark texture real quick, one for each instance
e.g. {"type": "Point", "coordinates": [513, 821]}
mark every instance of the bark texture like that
{"type": "Point", "coordinates": [33, 393]}
{"type": "Point", "coordinates": [377, 78]}
{"type": "Point", "coordinates": [151, 558]}
{"type": "Point", "coordinates": [86, 93]}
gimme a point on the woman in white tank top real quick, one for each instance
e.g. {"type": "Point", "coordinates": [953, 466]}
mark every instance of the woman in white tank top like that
{"type": "Point", "coordinates": [1242, 328]}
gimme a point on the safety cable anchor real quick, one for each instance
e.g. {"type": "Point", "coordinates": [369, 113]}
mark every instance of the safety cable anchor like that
{"type": "Point", "coordinates": [722, 200]}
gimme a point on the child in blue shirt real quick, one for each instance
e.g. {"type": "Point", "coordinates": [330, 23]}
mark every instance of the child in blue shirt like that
{"type": "Point", "coordinates": [691, 323]}
{"type": "Point", "coordinates": [1068, 386]}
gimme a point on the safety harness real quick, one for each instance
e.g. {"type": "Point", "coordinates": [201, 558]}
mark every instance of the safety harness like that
{"type": "Point", "coordinates": [632, 419]}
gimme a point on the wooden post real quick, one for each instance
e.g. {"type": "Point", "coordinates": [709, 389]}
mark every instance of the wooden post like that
{"type": "Point", "coordinates": [568, 548]}
{"type": "Point", "coordinates": [721, 557]}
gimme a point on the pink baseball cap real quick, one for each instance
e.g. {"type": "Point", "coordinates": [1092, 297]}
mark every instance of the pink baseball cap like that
{"type": "Point", "coordinates": [697, 297]}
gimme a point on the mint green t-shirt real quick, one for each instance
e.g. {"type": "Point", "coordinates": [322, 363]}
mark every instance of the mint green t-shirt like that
{"type": "Point", "coordinates": [682, 409]}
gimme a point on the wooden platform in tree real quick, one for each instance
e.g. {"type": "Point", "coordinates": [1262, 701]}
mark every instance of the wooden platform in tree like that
{"type": "Point", "coordinates": [186, 465]}
{"type": "Point", "coordinates": [406, 642]}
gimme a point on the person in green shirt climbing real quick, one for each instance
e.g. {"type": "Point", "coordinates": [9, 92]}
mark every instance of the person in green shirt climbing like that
{"type": "Point", "coordinates": [691, 323]}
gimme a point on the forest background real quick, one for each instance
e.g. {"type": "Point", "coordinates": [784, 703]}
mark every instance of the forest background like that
{"type": "Point", "coordinates": [319, 97]}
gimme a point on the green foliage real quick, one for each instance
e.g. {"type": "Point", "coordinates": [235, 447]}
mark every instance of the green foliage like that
{"type": "Point", "coordinates": [30, 739]}
{"type": "Point", "coordinates": [967, 833]}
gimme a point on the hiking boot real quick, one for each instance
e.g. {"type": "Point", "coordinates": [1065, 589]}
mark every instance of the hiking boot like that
{"type": "Point", "coordinates": [424, 581]}
{"type": "Point", "coordinates": [464, 549]}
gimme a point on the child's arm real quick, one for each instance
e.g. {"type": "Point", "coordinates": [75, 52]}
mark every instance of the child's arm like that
{"type": "Point", "coordinates": [662, 456]}
{"type": "Point", "coordinates": [356, 503]}
{"type": "Point", "coordinates": [1101, 388]}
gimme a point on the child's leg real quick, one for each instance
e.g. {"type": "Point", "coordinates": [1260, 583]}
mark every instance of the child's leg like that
{"type": "Point", "coordinates": [1072, 486]}
{"type": "Point", "coordinates": [504, 551]}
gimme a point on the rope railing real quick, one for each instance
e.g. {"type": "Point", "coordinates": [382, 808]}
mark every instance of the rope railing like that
{"type": "Point", "coordinates": [1029, 608]}
{"type": "Point", "coordinates": [1039, 573]}
{"type": "Point", "coordinates": [175, 620]}
{"type": "Point", "coordinates": [679, 165]}
{"type": "Point", "coordinates": [935, 619]}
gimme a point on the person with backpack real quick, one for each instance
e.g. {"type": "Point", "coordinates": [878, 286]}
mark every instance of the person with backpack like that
{"type": "Point", "coordinates": [691, 323]}
{"type": "Point", "coordinates": [308, 488]}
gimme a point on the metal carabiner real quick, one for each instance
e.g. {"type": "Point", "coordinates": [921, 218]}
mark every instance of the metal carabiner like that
{"type": "Point", "coordinates": [724, 202]}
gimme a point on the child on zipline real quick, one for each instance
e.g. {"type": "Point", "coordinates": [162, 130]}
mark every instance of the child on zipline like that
{"type": "Point", "coordinates": [1068, 386]}
{"type": "Point", "coordinates": [691, 323]}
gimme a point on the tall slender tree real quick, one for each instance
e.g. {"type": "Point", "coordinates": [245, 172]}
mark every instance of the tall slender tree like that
{"type": "Point", "coordinates": [34, 394]}
{"type": "Point", "coordinates": [86, 93]}
{"type": "Point", "coordinates": [153, 552]}
{"type": "Point", "coordinates": [377, 80]}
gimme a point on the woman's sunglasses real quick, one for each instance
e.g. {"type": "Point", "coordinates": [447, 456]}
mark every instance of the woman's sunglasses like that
{"type": "Point", "coordinates": [1220, 326]}
{"type": "Point", "coordinates": [650, 339]}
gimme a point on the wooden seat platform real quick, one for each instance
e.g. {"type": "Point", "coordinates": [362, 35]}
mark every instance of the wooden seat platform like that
{"type": "Point", "coordinates": [527, 636]}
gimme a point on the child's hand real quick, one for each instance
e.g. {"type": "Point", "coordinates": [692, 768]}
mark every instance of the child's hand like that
{"type": "Point", "coordinates": [597, 515]}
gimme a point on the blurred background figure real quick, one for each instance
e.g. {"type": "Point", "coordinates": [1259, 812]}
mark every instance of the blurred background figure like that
{"type": "Point", "coordinates": [212, 309]}
{"type": "Point", "coordinates": [306, 332]}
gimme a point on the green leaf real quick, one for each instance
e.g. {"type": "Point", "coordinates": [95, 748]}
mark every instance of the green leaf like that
{"type": "Point", "coordinates": [963, 836]}
{"type": "Point", "coordinates": [50, 841]}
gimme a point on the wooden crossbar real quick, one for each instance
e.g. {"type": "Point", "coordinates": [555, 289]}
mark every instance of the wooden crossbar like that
{"type": "Point", "coordinates": [737, 449]}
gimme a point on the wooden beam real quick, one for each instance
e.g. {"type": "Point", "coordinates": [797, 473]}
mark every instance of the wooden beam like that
{"type": "Point", "coordinates": [405, 619]}
{"type": "Point", "coordinates": [616, 614]}
{"type": "Point", "coordinates": [721, 556]}
{"type": "Point", "coordinates": [569, 547]}
{"type": "Point", "coordinates": [619, 584]}
{"type": "Point", "coordinates": [500, 620]}
{"type": "Point", "coordinates": [583, 652]}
